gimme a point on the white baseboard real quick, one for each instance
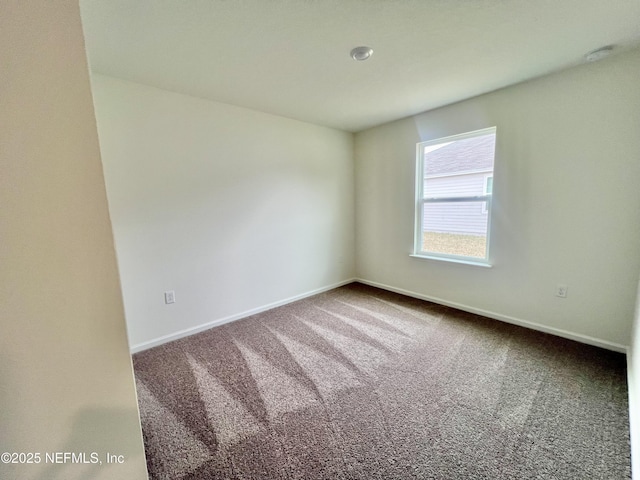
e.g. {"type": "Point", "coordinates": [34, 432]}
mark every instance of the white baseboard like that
{"type": "Point", "coordinates": [485, 313]}
{"type": "Point", "coordinates": [221, 321]}
{"type": "Point", "coordinates": [634, 419]}
{"type": "Point", "coordinates": [504, 318]}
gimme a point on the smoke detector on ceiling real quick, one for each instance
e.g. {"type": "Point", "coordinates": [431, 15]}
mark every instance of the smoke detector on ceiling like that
{"type": "Point", "coordinates": [599, 54]}
{"type": "Point", "coordinates": [361, 54]}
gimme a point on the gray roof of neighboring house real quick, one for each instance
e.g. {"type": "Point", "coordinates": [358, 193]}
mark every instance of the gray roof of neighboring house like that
{"type": "Point", "coordinates": [469, 154]}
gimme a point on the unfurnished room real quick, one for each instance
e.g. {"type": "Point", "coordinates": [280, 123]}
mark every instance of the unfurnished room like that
{"type": "Point", "coordinates": [295, 239]}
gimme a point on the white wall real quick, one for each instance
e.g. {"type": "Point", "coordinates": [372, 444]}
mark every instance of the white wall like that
{"type": "Point", "coordinates": [66, 383]}
{"type": "Point", "coordinates": [232, 208]}
{"type": "Point", "coordinates": [566, 202]}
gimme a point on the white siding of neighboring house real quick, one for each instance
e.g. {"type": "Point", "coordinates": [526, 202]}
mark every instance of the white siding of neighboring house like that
{"type": "Point", "coordinates": [463, 218]}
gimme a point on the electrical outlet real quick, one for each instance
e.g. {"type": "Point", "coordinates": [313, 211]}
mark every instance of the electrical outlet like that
{"type": "Point", "coordinates": [561, 290]}
{"type": "Point", "coordinates": [169, 297]}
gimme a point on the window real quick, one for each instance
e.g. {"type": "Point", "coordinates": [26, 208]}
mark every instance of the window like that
{"type": "Point", "coordinates": [454, 188]}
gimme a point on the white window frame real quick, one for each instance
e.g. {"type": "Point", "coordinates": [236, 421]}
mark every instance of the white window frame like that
{"type": "Point", "coordinates": [421, 201]}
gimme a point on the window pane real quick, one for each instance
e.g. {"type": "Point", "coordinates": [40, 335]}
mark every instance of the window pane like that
{"type": "Point", "coordinates": [459, 168]}
{"type": "Point", "coordinates": [455, 228]}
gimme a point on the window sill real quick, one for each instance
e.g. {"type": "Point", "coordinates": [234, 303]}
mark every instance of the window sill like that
{"type": "Point", "coordinates": [464, 261]}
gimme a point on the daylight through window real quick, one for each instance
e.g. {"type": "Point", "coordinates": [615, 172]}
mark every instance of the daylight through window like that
{"type": "Point", "coordinates": [454, 191]}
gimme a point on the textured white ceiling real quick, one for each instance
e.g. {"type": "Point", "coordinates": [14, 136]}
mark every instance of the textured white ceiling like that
{"type": "Point", "coordinates": [291, 57]}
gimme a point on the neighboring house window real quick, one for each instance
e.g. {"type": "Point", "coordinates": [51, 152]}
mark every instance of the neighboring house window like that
{"type": "Point", "coordinates": [488, 189]}
{"type": "Point", "coordinates": [454, 188]}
